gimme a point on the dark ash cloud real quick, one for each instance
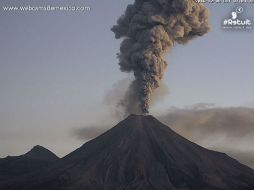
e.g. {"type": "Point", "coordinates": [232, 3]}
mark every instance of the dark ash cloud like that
{"type": "Point", "coordinates": [149, 29]}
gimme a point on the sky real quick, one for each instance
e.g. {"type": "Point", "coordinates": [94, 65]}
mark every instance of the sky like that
{"type": "Point", "coordinates": [57, 68]}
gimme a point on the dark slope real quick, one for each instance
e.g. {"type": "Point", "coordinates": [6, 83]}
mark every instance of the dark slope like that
{"type": "Point", "coordinates": [140, 153]}
{"type": "Point", "coordinates": [41, 153]}
{"type": "Point", "coordinates": [16, 166]}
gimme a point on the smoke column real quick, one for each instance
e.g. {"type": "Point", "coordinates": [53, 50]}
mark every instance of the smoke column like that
{"type": "Point", "coordinates": [149, 29]}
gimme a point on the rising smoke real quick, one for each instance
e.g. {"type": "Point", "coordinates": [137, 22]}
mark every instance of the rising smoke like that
{"type": "Point", "coordinates": [150, 29]}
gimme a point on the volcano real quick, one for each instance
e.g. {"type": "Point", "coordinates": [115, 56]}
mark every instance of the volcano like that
{"type": "Point", "coordinates": [140, 153]}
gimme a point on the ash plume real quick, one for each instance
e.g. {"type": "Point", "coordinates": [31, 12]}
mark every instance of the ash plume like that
{"type": "Point", "coordinates": [150, 28]}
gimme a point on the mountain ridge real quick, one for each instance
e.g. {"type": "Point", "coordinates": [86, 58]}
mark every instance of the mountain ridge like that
{"type": "Point", "coordinates": [40, 153]}
{"type": "Point", "coordinates": [37, 158]}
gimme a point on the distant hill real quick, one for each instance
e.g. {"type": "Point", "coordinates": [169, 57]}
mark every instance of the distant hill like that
{"type": "Point", "coordinates": [140, 153]}
{"type": "Point", "coordinates": [15, 166]}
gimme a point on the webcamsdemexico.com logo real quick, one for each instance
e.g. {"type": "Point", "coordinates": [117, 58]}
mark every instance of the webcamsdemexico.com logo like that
{"type": "Point", "coordinates": [237, 21]}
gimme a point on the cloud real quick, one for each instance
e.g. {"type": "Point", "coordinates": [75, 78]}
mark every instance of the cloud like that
{"type": "Point", "coordinates": [89, 132]}
{"type": "Point", "coordinates": [200, 106]}
{"type": "Point", "coordinates": [195, 123]}
{"type": "Point", "coordinates": [230, 130]}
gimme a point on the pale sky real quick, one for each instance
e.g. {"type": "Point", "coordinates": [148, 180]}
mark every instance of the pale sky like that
{"type": "Point", "coordinates": [57, 67]}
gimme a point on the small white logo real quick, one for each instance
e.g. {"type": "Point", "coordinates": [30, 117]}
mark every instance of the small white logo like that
{"type": "Point", "coordinates": [239, 10]}
{"type": "Point", "coordinates": [236, 22]}
{"type": "Point", "coordinates": [234, 15]}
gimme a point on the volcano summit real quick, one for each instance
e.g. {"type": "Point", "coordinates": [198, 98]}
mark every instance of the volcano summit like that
{"type": "Point", "coordinates": [140, 153]}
